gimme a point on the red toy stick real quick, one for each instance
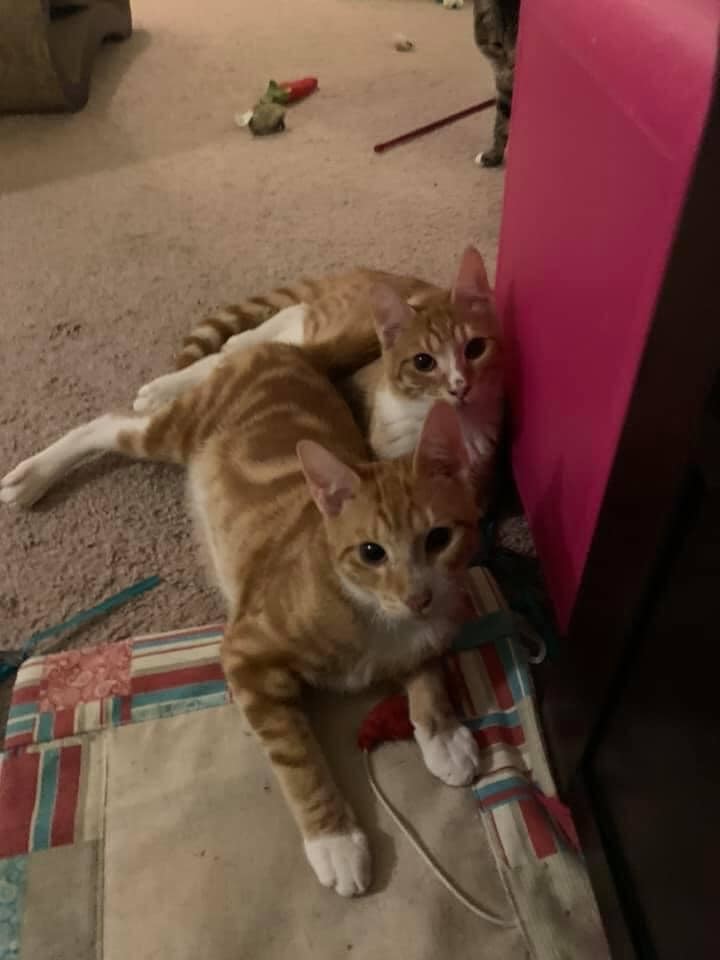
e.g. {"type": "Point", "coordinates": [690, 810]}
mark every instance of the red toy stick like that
{"type": "Point", "coordinates": [429, 127]}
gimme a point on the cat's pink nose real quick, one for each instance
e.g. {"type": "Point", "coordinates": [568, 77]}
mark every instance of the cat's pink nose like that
{"type": "Point", "coordinates": [460, 390]}
{"type": "Point", "coordinates": [420, 602]}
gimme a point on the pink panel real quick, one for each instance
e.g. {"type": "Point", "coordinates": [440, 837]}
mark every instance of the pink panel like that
{"type": "Point", "coordinates": [609, 106]}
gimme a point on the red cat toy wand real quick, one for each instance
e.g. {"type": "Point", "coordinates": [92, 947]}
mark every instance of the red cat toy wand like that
{"type": "Point", "coordinates": [429, 127]}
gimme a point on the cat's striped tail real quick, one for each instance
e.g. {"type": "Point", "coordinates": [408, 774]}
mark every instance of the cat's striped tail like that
{"type": "Point", "coordinates": [217, 328]}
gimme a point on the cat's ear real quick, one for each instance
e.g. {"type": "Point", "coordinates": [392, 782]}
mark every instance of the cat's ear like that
{"type": "Point", "coordinates": [330, 482]}
{"type": "Point", "coordinates": [471, 289]}
{"type": "Point", "coordinates": [441, 450]}
{"type": "Point", "coordinates": [392, 314]}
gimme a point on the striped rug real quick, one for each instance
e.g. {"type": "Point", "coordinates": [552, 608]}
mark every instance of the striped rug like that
{"type": "Point", "coordinates": [53, 771]}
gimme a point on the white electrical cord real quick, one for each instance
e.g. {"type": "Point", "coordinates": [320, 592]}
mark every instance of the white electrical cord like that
{"type": "Point", "coordinates": [407, 830]}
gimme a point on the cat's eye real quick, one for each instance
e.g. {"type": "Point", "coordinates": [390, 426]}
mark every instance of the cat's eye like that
{"type": "Point", "coordinates": [424, 362]}
{"type": "Point", "coordinates": [372, 554]}
{"type": "Point", "coordinates": [437, 539]}
{"type": "Point", "coordinates": [474, 348]}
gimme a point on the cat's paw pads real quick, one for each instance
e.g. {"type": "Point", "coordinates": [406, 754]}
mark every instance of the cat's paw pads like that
{"type": "Point", "coordinates": [341, 861]}
{"type": "Point", "coordinates": [157, 393]}
{"type": "Point", "coordinates": [453, 4]}
{"type": "Point", "coordinates": [451, 754]}
{"type": "Point", "coordinates": [26, 483]}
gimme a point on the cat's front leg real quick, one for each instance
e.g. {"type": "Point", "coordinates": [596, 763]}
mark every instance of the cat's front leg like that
{"type": "Point", "coordinates": [336, 848]}
{"type": "Point", "coordinates": [448, 748]}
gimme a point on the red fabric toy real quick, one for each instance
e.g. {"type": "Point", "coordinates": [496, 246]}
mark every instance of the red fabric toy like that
{"type": "Point", "coordinates": [388, 720]}
{"type": "Point", "coordinates": [290, 91]}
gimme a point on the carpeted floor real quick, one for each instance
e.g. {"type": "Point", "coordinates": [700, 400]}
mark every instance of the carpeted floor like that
{"type": "Point", "coordinates": [120, 225]}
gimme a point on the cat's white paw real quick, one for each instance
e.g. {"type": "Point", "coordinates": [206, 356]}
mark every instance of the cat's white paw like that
{"type": "Point", "coordinates": [490, 158]}
{"type": "Point", "coordinates": [451, 754]}
{"type": "Point", "coordinates": [341, 861]}
{"type": "Point", "coordinates": [27, 482]}
{"type": "Point", "coordinates": [453, 4]}
{"type": "Point", "coordinates": [158, 392]}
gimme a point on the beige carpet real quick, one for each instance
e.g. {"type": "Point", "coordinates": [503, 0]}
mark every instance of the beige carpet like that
{"type": "Point", "coordinates": [120, 225]}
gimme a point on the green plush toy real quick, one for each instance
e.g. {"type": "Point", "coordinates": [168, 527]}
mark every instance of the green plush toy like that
{"type": "Point", "coordinates": [268, 114]}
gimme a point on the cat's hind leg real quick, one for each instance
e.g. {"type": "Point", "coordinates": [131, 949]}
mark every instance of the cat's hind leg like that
{"type": "Point", "coordinates": [286, 326]}
{"type": "Point", "coordinates": [165, 389]}
{"type": "Point", "coordinates": [32, 478]}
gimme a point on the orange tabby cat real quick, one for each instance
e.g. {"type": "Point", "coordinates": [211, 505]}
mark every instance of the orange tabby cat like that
{"type": "Point", "coordinates": [435, 344]}
{"type": "Point", "coordinates": [336, 572]}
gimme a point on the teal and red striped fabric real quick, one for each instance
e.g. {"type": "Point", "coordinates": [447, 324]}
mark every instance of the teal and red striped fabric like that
{"type": "Point", "coordinates": [59, 697]}
{"type": "Point", "coordinates": [62, 696]}
{"type": "Point", "coordinates": [88, 689]}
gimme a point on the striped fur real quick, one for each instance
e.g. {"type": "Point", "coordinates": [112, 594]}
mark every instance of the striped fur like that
{"type": "Point", "coordinates": [228, 321]}
{"type": "Point", "coordinates": [331, 297]}
{"type": "Point", "coordinates": [302, 605]}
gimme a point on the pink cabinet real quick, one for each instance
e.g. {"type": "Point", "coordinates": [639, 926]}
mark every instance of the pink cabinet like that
{"type": "Point", "coordinates": [608, 280]}
{"type": "Point", "coordinates": [610, 102]}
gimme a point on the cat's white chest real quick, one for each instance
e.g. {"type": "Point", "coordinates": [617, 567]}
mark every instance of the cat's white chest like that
{"type": "Point", "coordinates": [394, 652]}
{"type": "Point", "coordinates": [396, 423]}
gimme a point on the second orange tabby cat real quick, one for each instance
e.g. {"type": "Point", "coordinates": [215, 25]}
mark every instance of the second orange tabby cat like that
{"type": "Point", "coordinates": [435, 344]}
